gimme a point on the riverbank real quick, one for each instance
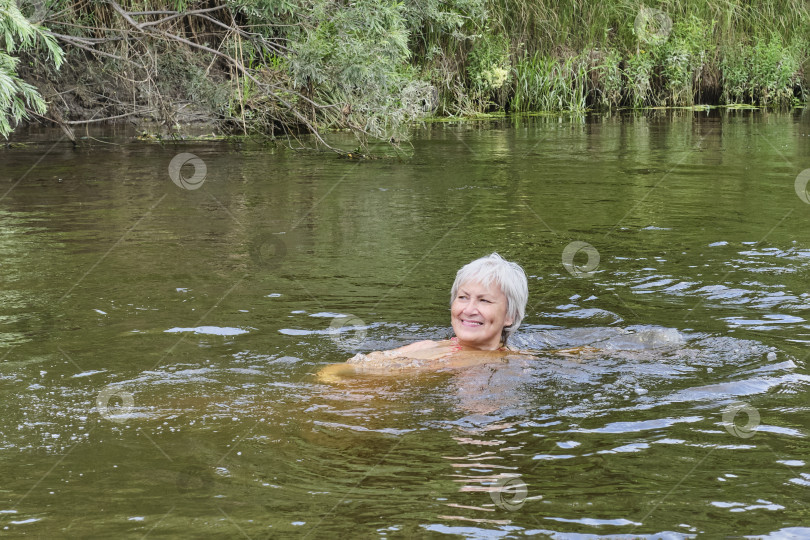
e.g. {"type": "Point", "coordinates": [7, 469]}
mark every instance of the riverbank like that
{"type": "Point", "coordinates": [372, 67]}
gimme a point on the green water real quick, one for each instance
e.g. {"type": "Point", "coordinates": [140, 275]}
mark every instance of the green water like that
{"type": "Point", "coordinates": [159, 345]}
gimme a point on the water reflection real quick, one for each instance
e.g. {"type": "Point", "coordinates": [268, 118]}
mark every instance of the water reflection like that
{"type": "Point", "coordinates": [159, 346]}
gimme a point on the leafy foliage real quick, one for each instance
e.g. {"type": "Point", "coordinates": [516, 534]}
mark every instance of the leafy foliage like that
{"type": "Point", "coordinates": [546, 83]}
{"type": "Point", "coordinates": [374, 66]}
{"type": "Point", "coordinates": [764, 72]}
{"type": "Point", "coordinates": [18, 34]}
{"type": "Point", "coordinates": [488, 66]}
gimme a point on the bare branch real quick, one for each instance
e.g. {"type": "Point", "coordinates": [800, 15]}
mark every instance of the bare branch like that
{"type": "Point", "coordinates": [87, 46]}
{"type": "Point", "coordinates": [175, 15]}
{"type": "Point", "coordinates": [92, 121]}
{"type": "Point", "coordinates": [276, 92]}
{"type": "Point", "coordinates": [124, 14]}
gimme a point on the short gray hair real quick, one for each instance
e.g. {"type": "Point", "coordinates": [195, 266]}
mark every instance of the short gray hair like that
{"type": "Point", "coordinates": [509, 276]}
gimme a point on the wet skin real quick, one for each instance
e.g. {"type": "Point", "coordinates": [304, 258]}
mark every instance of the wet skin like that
{"type": "Point", "coordinates": [429, 355]}
{"type": "Point", "coordinates": [419, 356]}
{"type": "Point", "coordinates": [478, 315]}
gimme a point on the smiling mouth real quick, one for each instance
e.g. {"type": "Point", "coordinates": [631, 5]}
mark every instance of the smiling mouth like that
{"type": "Point", "coordinates": [471, 324]}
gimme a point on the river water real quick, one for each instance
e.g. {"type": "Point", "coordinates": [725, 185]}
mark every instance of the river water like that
{"type": "Point", "coordinates": [159, 339]}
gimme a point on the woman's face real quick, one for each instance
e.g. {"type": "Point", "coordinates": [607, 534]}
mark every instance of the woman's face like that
{"type": "Point", "coordinates": [478, 315]}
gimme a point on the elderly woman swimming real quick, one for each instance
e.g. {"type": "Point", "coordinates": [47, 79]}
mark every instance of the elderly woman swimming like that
{"type": "Point", "coordinates": [487, 303]}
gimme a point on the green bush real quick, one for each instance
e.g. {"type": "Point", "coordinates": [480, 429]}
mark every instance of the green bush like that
{"type": "Point", "coordinates": [683, 57]}
{"type": "Point", "coordinates": [638, 73]}
{"type": "Point", "coordinates": [606, 78]}
{"type": "Point", "coordinates": [373, 66]}
{"type": "Point", "coordinates": [488, 68]}
{"type": "Point", "coordinates": [765, 72]}
{"type": "Point", "coordinates": [545, 83]}
{"type": "Point", "coordinates": [17, 34]}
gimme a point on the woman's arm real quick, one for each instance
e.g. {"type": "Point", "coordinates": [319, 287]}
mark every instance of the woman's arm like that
{"type": "Point", "coordinates": [417, 346]}
{"type": "Point", "coordinates": [379, 359]}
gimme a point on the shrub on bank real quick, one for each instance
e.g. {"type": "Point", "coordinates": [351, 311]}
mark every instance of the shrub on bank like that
{"type": "Point", "coordinates": [372, 66]}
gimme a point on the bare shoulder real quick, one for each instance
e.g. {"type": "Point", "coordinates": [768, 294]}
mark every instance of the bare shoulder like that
{"type": "Point", "coordinates": [412, 356]}
{"type": "Point", "coordinates": [417, 346]}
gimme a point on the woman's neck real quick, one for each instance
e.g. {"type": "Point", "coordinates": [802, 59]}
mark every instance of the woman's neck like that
{"type": "Point", "coordinates": [500, 346]}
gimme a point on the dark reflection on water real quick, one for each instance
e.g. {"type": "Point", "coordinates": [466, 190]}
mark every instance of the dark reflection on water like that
{"type": "Point", "coordinates": [159, 345]}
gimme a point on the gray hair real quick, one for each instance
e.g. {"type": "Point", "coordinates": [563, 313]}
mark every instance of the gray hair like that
{"type": "Point", "coordinates": [509, 276]}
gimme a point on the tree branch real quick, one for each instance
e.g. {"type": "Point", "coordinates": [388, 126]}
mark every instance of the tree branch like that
{"type": "Point", "coordinates": [149, 28]}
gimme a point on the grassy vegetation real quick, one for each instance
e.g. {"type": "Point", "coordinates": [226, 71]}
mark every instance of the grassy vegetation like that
{"type": "Point", "coordinates": [590, 54]}
{"type": "Point", "coordinates": [372, 66]}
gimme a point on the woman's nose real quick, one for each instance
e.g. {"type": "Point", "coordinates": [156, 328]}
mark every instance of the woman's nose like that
{"type": "Point", "coordinates": [471, 307]}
